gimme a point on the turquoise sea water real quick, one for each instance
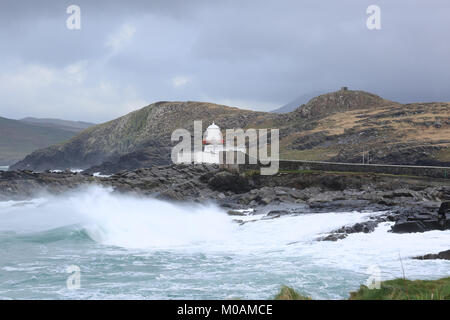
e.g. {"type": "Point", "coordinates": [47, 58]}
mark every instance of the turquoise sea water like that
{"type": "Point", "coordinates": [140, 248]}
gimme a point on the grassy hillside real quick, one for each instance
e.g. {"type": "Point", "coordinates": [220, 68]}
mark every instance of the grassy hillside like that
{"type": "Point", "coordinates": [66, 125]}
{"type": "Point", "coordinates": [338, 126]}
{"type": "Point", "coordinates": [134, 131]}
{"type": "Point", "coordinates": [390, 133]}
{"type": "Point", "coordinates": [17, 139]}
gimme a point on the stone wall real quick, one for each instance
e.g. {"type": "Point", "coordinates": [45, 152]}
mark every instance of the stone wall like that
{"type": "Point", "coordinates": [286, 165]}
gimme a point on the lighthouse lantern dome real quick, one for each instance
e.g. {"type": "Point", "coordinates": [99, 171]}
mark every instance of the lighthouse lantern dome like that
{"type": "Point", "coordinates": [213, 135]}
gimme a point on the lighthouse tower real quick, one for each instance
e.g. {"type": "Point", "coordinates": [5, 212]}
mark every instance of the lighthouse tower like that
{"type": "Point", "coordinates": [213, 136]}
{"type": "Point", "coordinates": [212, 145]}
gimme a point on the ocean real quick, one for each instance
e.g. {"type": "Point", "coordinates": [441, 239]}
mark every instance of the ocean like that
{"type": "Point", "coordinates": [128, 247]}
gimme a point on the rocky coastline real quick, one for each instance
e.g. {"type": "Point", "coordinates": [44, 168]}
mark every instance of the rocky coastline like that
{"type": "Point", "coordinates": [414, 204]}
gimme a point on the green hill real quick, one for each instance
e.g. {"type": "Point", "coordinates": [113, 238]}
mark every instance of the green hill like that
{"type": "Point", "coordinates": [66, 125]}
{"type": "Point", "coordinates": [18, 138]}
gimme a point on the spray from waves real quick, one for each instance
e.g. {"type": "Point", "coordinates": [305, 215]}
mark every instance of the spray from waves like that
{"type": "Point", "coordinates": [100, 215]}
{"type": "Point", "coordinates": [109, 218]}
{"type": "Point", "coordinates": [149, 223]}
{"type": "Point", "coordinates": [113, 219]}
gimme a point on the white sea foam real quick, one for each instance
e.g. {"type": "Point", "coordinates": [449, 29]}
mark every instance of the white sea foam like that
{"type": "Point", "coordinates": [71, 170]}
{"type": "Point", "coordinates": [99, 175]}
{"type": "Point", "coordinates": [133, 222]}
{"type": "Point", "coordinates": [150, 225]}
{"type": "Point", "coordinates": [120, 220]}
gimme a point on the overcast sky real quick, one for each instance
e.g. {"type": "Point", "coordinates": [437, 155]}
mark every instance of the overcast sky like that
{"type": "Point", "coordinates": [256, 54]}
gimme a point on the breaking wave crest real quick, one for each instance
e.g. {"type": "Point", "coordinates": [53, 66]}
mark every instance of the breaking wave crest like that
{"type": "Point", "coordinates": [109, 218]}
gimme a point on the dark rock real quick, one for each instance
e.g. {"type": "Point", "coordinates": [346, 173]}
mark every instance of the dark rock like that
{"type": "Point", "coordinates": [205, 177]}
{"type": "Point", "coordinates": [408, 227]}
{"type": "Point", "coordinates": [333, 237]}
{"type": "Point", "coordinates": [171, 194]}
{"type": "Point", "coordinates": [235, 213]}
{"type": "Point", "coordinates": [431, 224]}
{"type": "Point", "coordinates": [248, 198]}
{"type": "Point", "coordinates": [414, 220]}
{"type": "Point", "coordinates": [398, 194]}
{"type": "Point", "coordinates": [366, 227]}
{"type": "Point", "coordinates": [266, 200]}
{"type": "Point", "coordinates": [369, 226]}
{"type": "Point", "coordinates": [229, 181]}
{"type": "Point", "coordinates": [420, 217]}
{"type": "Point", "coordinates": [386, 203]}
{"type": "Point", "coordinates": [444, 255]}
{"type": "Point", "coordinates": [443, 210]}
{"type": "Point", "coordinates": [278, 212]}
{"type": "Point", "coordinates": [280, 192]}
{"type": "Point", "coordinates": [340, 205]}
{"type": "Point", "coordinates": [391, 218]}
{"type": "Point", "coordinates": [230, 205]}
{"type": "Point", "coordinates": [343, 232]}
{"type": "Point", "coordinates": [267, 217]}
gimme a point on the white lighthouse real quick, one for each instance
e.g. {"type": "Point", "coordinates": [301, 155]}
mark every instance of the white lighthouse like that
{"type": "Point", "coordinates": [212, 146]}
{"type": "Point", "coordinates": [213, 135]}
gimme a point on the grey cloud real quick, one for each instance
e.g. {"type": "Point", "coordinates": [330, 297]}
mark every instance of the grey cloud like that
{"type": "Point", "coordinates": [258, 54]}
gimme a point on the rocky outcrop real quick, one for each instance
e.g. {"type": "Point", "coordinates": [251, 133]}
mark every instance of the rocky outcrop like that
{"type": "Point", "coordinates": [153, 154]}
{"type": "Point", "coordinates": [229, 181]}
{"type": "Point", "coordinates": [174, 182]}
{"type": "Point", "coordinates": [343, 232]}
{"type": "Point", "coordinates": [409, 227]}
{"type": "Point", "coordinates": [342, 100]}
{"type": "Point", "coordinates": [424, 221]}
{"type": "Point", "coordinates": [443, 211]}
{"type": "Point", "coordinates": [444, 255]}
{"type": "Point", "coordinates": [17, 185]}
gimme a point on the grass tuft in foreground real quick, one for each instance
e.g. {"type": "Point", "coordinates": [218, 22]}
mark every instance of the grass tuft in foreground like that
{"type": "Point", "coordinates": [287, 293]}
{"type": "Point", "coordinates": [397, 289]}
{"type": "Point", "coordinates": [401, 289]}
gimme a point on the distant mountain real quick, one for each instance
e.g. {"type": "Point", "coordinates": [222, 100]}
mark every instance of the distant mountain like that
{"type": "Point", "coordinates": [297, 102]}
{"type": "Point", "coordinates": [337, 126]}
{"type": "Point", "coordinates": [73, 126]}
{"type": "Point", "coordinates": [19, 138]}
